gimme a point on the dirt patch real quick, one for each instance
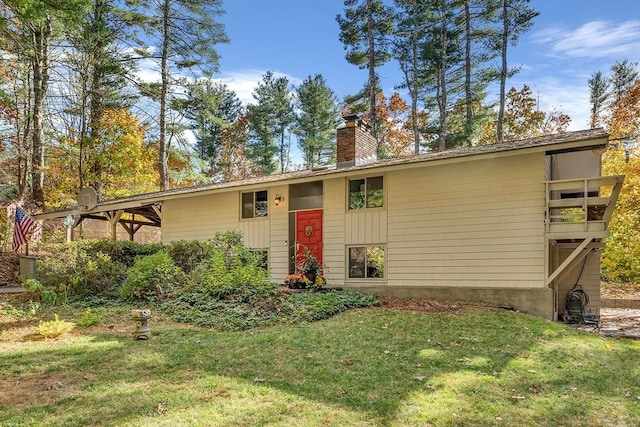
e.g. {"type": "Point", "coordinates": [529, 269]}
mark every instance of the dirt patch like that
{"type": "Point", "coordinates": [41, 389]}
{"type": "Point", "coordinates": [9, 268]}
{"type": "Point", "coordinates": [617, 290]}
{"type": "Point", "coordinates": [418, 305]}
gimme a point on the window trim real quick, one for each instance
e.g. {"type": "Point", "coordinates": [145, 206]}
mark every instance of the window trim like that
{"type": "Point", "coordinates": [365, 207]}
{"type": "Point", "coordinates": [253, 217]}
{"type": "Point", "coordinates": [367, 279]}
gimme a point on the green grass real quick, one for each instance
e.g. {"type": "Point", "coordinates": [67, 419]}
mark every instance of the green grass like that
{"type": "Point", "coordinates": [365, 367]}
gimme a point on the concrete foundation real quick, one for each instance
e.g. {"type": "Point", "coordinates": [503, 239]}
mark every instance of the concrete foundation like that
{"type": "Point", "coordinates": [535, 301]}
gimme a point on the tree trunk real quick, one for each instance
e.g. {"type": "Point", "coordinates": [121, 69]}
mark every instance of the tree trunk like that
{"type": "Point", "coordinates": [163, 145]}
{"type": "Point", "coordinates": [442, 99]}
{"type": "Point", "coordinates": [503, 70]}
{"type": "Point", "coordinates": [41, 34]}
{"type": "Point", "coordinates": [467, 79]}
{"type": "Point", "coordinates": [372, 69]}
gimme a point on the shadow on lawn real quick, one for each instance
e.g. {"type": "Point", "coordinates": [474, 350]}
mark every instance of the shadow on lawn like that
{"type": "Point", "coordinates": [383, 365]}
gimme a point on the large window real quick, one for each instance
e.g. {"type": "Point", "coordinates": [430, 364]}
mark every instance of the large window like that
{"type": "Point", "coordinates": [254, 204]}
{"type": "Point", "coordinates": [366, 193]}
{"type": "Point", "coordinates": [366, 262]}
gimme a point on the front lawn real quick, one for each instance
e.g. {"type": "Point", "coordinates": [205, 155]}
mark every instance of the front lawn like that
{"type": "Point", "coordinates": [365, 367]}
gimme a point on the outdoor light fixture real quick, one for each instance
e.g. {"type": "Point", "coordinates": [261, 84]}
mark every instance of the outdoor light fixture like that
{"type": "Point", "coordinates": [279, 199]}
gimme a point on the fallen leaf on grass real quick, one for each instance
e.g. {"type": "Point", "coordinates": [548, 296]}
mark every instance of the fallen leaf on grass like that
{"type": "Point", "coordinates": [419, 378]}
{"type": "Point", "coordinates": [258, 380]}
{"type": "Point", "coordinates": [517, 398]}
{"type": "Point", "coordinates": [161, 409]}
{"type": "Point", "coordinates": [348, 362]}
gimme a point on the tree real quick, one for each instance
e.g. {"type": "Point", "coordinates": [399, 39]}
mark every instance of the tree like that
{"type": "Point", "coordinates": [211, 107]}
{"type": "Point", "coordinates": [621, 256]}
{"type": "Point", "coordinates": [598, 94]}
{"type": "Point", "coordinates": [126, 161]}
{"type": "Point", "coordinates": [411, 17]}
{"type": "Point", "coordinates": [624, 75]}
{"type": "Point", "coordinates": [185, 34]}
{"type": "Point", "coordinates": [394, 131]}
{"type": "Point", "coordinates": [363, 30]}
{"type": "Point", "coordinates": [98, 69]}
{"type": "Point", "coordinates": [316, 122]}
{"type": "Point", "coordinates": [271, 118]}
{"type": "Point", "coordinates": [516, 18]}
{"type": "Point", "coordinates": [523, 119]}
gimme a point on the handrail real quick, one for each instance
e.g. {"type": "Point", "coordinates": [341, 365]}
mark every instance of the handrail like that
{"type": "Point", "coordinates": [585, 202]}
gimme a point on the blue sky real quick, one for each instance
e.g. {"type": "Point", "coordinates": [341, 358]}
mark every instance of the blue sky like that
{"type": "Point", "coordinates": [570, 40]}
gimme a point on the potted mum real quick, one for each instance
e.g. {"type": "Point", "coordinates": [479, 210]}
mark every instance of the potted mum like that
{"type": "Point", "coordinates": [308, 272]}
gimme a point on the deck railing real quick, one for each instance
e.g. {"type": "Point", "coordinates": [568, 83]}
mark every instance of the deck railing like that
{"type": "Point", "coordinates": [581, 205]}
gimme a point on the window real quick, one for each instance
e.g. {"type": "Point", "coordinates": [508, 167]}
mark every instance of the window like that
{"type": "Point", "coordinates": [366, 193]}
{"type": "Point", "coordinates": [254, 204]}
{"type": "Point", "coordinates": [366, 262]}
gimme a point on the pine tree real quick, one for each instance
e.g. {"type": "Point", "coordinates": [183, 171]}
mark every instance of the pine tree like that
{"type": "Point", "coordinates": [316, 122]}
{"type": "Point", "coordinates": [598, 95]}
{"type": "Point", "coordinates": [364, 30]}
{"type": "Point", "coordinates": [186, 33]}
{"type": "Point", "coordinates": [271, 119]}
{"type": "Point", "coordinates": [516, 18]}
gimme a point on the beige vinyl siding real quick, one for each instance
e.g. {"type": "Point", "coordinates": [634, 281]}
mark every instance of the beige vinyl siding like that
{"type": "Point", "coordinates": [475, 224]}
{"type": "Point", "coordinates": [334, 230]}
{"type": "Point", "coordinates": [199, 217]}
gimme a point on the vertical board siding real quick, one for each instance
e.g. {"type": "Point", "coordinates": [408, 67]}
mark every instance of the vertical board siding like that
{"type": "Point", "coordinates": [278, 235]}
{"type": "Point", "coordinates": [472, 224]}
{"type": "Point", "coordinates": [335, 224]}
{"type": "Point", "coordinates": [586, 274]}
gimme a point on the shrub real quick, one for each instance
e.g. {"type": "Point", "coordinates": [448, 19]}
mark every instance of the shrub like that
{"type": "Point", "coordinates": [39, 291]}
{"type": "Point", "coordinates": [124, 252]}
{"type": "Point", "coordinates": [71, 271]}
{"type": "Point", "coordinates": [53, 328]}
{"type": "Point", "coordinates": [188, 254]}
{"type": "Point", "coordinates": [89, 318]}
{"type": "Point", "coordinates": [151, 277]}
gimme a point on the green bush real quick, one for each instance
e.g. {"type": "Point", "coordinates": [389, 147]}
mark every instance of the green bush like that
{"type": "Point", "coordinates": [89, 318]}
{"type": "Point", "coordinates": [188, 254]}
{"type": "Point", "coordinates": [124, 252]}
{"type": "Point", "coordinates": [151, 277]}
{"type": "Point", "coordinates": [71, 271]}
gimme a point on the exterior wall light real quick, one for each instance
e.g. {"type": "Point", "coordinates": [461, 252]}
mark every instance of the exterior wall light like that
{"type": "Point", "coordinates": [279, 199]}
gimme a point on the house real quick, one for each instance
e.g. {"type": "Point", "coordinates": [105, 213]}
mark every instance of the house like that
{"type": "Point", "coordinates": [516, 224]}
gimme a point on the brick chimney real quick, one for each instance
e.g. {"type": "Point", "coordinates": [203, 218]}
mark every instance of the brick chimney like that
{"type": "Point", "coordinates": [356, 145]}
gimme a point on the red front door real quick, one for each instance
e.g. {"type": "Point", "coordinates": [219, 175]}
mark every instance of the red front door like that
{"type": "Point", "coordinates": [309, 234]}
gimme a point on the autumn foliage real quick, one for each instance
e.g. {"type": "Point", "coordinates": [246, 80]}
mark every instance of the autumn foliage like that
{"type": "Point", "coordinates": [621, 257]}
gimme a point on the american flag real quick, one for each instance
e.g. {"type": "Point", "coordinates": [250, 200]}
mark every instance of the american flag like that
{"type": "Point", "coordinates": [23, 225]}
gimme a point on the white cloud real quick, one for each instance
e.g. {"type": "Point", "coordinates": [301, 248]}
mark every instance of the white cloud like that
{"type": "Point", "coordinates": [243, 82]}
{"type": "Point", "coordinates": [595, 39]}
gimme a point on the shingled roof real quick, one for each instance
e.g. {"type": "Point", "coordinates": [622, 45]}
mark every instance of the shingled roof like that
{"type": "Point", "coordinates": [585, 139]}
